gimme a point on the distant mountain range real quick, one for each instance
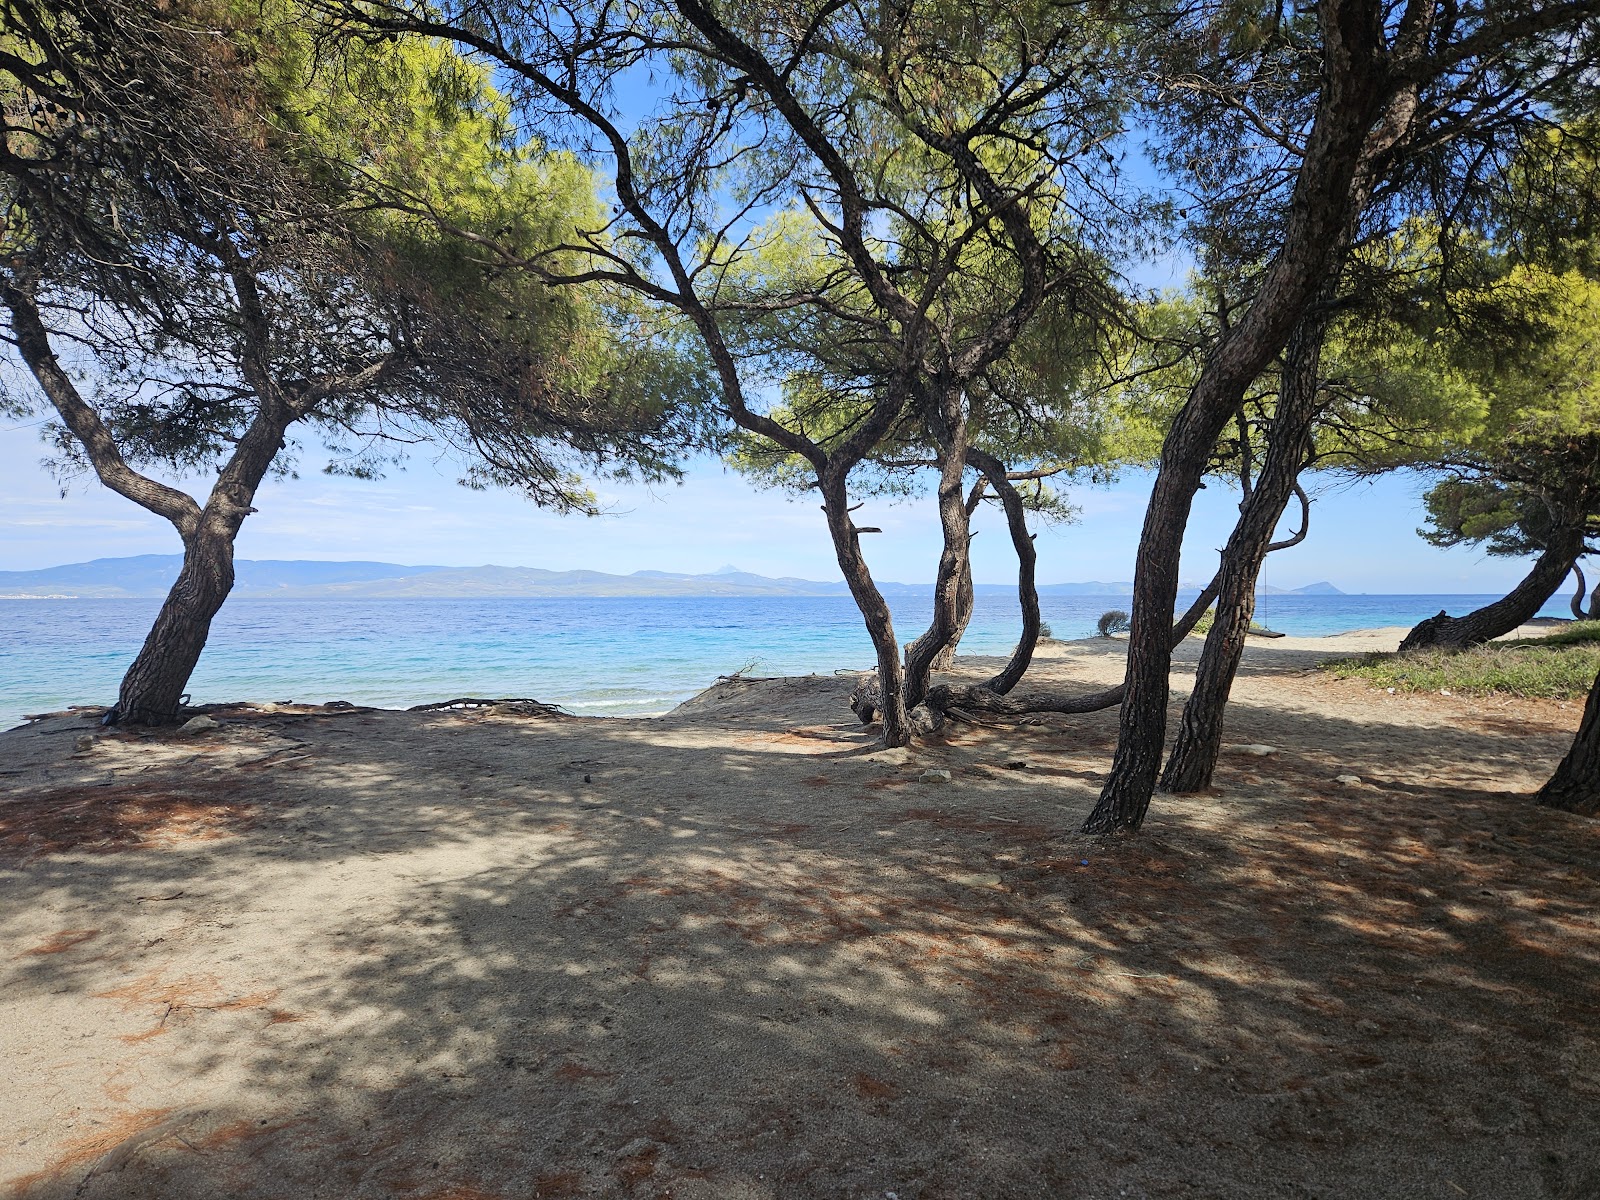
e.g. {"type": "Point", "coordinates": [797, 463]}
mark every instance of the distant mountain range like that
{"type": "Point", "coordinates": [1311, 589]}
{"type": "Point", "coordinates": [152, 574]}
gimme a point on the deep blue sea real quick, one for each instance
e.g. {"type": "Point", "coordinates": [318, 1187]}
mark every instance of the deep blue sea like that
{"type": "Point", "coordinates": [607, 657]}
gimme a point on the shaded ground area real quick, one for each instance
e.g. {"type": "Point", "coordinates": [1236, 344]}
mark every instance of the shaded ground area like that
{"type": "Point", "coordinates": [738, 952]}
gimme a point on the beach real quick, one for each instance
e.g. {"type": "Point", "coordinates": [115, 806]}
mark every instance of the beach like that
{"type": "Point", "coordinates": [596, 655]}
{"type": "Point", "coordinates": [739, 951]}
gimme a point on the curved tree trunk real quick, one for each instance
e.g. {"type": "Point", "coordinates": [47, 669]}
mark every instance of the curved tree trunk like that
{"type": "Point", "coordinates": [152, 690]}
{"type": "Point", "coordinates": [1027, 564]}
{"type": "Point", "coordinates": [1521, 604]}
{"type": "Point", "coordinates": [966, 597]}
{"type": "Point", "coordinates": [153, 687]}
{"type": "Point", "coordinates": [945, 699]}
{"type": "Point", "coordinates": [1199, 742]}
{"type": "Point", "coordinates": [1329, 192]}
{"type": "Point", "coordinates": [966, 601]}
{"type": "Point", "coordinates": [1582, 594]}
{"type": "Point", "coordinates": [955, 523]}
{"type": "Point", "coordinates": [888, 699]}
{"type": "Point", "coordinates": [1575, 786]}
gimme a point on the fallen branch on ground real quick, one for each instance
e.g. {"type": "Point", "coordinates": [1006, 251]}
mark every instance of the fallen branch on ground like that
{"type": "Point", "coordinates": [521, 704]}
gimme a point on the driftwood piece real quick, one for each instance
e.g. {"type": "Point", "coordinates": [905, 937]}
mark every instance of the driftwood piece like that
{"type": "Point", "coordinates": [866, 701]}
{"type": "Point", "coordinates": [521, 705]}
{"type": "Point", "coordinates": [969, 701]}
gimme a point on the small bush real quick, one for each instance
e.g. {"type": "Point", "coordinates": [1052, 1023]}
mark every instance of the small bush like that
{"type": "Point", "coordinates": [1203, 625]}
{"type": "Point", "coordinates": [1044, 631]}
{"type": "Point", "coordinates": [1115, 621]}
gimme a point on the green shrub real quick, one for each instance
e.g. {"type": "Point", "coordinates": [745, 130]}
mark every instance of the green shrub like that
{"type": "Point", "coordinates": [1203, 625]}
{"type": "Point", "coordinates": [1115, 621]}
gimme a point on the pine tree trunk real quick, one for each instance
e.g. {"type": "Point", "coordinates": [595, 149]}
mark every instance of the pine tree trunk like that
{"type": "Point", "coordinates": [1199, 742]}
{"type": "Point", "coordinates": [1142, 719]}
{"type": "Point", "coordinates": [889, 701]}
{"type": "Point", "coordinates": [153, 687]}
{"type": "Point", "coordinates": [1579, 596]}
{"type": "Point", "coordinates": [966, 598]}
{"type": "Point", "coordinates": [1521, 604]}
{"type": "Point", "coordinates": [1329, 193]}
{"type": "Point", "coordinates": [966, 601]}
{"type": "Point", "coordinates": [1027, 563]}
{"type": "Point", "coordinates": [1575, 786]}
{"type": "Point", "coordinates": [954, 562]}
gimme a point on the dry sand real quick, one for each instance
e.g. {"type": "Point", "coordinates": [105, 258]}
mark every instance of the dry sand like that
{"type": "Point", "coordinates": [738, 952]}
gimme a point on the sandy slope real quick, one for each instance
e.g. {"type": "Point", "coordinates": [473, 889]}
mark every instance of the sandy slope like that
{"type": "Point", "coordinates": [738, 952]}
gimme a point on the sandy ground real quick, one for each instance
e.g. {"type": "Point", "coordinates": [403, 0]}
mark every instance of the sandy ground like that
{"type": "Point", "coordinates": [737, 952]}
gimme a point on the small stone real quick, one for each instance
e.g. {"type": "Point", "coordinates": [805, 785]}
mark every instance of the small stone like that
{"type": "Point", "coordinates": [1348, 780]}
{"type": "Point", "coordinates": [934, 775]}
{"type": "Point", "coordinates": [1018, 765]}
{"type": "Point", "coordinates": [1389, 690]}
{"type": "Point", "coordinates": [200, 724]}
{"type": "Point", "coordinates": [1252, 749]}
{"type": "Point", "coordinates": [83, 745]}
{"type": "Point", "coordinates": [1444, 691]}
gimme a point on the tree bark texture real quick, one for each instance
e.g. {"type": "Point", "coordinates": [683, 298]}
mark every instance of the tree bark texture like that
{"type": "Point", "coordinates": [1521, 604]}
{"type": "Point", "coordinates": [889, 702]}
{"type": "Point", "coordinates": [1321, 211]}
{"type": "Point", "coordinates": [153, 687]}
{"type": "Point", "coordinates": [956, 527]}
{"type": "Point", "coordinates": [1575, 786]}
{"type": "Point", "coordinates": [1199, 742]}
{"type": "Point", "coordinates": [966, 601]}
{"type": "Point", "coordinates": [1579, 598]}
{"type": "Point", "coordinates": [966, 596]}
{"type": "Point", "coordinates": [1027, 563]}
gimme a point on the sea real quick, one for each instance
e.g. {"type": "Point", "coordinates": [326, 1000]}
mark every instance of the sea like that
{"type": "Point", "coordinates": [612, 656]}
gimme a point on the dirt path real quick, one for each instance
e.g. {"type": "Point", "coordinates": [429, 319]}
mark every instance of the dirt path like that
{"type": "Point", "coordinates": [738, 952]}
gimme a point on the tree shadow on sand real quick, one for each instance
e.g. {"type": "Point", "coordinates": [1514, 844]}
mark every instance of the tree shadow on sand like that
{"type": "Point", "coordinates": [749, 956]}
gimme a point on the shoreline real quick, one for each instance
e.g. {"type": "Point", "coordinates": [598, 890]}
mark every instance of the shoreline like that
{"type": "Point", "coordinates": [1351, 642]}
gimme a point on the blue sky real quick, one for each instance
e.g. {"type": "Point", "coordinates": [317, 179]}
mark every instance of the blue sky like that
{"type": "Point", "coordinates": [1363, 537]}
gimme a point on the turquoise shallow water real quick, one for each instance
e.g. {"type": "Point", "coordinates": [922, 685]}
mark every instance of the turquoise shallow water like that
{"type": "Point", "coordinates": [608, 656]}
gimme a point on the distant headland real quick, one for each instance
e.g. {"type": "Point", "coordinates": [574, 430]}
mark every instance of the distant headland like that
{"type": "Point", "coordinates": [149, 575]}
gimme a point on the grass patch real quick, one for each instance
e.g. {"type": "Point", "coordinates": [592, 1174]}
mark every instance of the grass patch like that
{"type": "Point", "coordinates": [1559, 667]}
{"type": "Point", "coordinates": [1579, 633]}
